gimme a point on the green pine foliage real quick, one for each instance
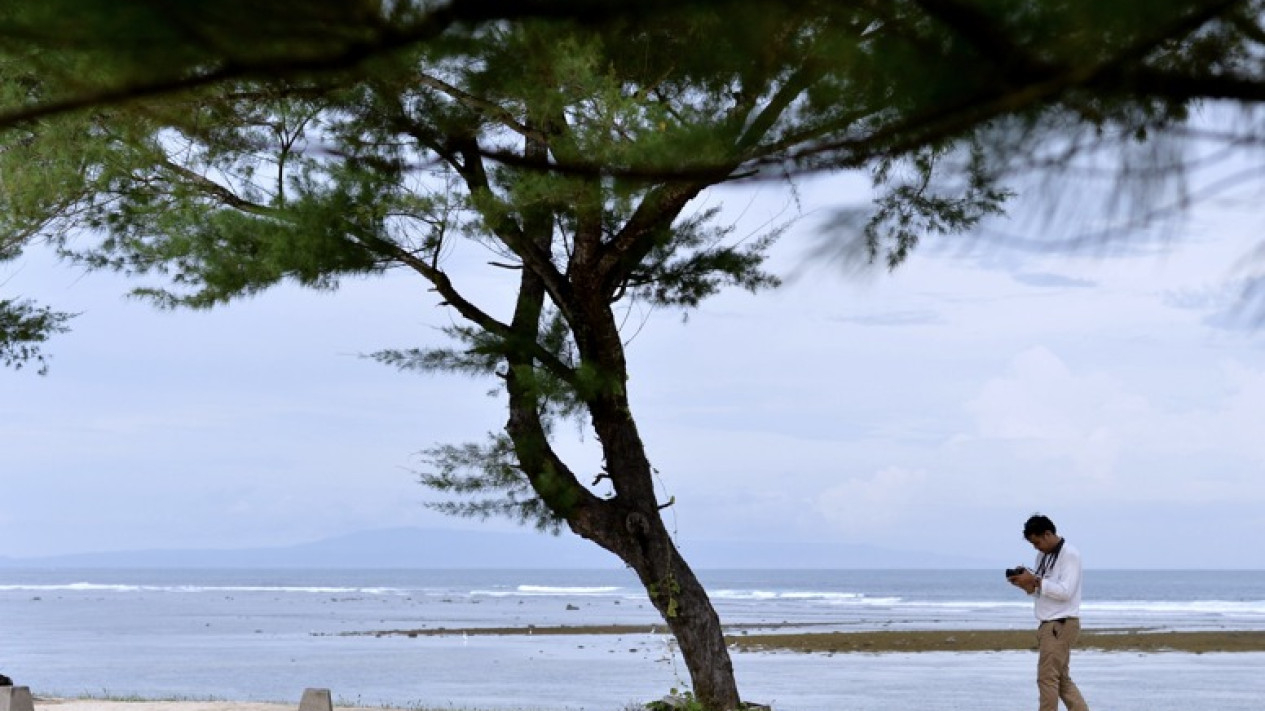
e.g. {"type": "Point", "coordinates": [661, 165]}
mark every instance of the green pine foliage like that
{"type": "Point", "coordinates": [24, 327]}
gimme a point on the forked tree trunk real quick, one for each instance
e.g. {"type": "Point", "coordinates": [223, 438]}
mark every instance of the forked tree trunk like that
{"type": "Point", "coordinates": [629, 524]}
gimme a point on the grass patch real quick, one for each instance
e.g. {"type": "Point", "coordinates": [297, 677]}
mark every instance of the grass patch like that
{"type": "Point", "coordinates": [1131, 640]}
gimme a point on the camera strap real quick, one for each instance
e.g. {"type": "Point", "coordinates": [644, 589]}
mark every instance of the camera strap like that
{"type": "Point", "coordinates": [1049, 559]}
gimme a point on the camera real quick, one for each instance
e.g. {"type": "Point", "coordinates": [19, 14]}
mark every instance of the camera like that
{"type": "Point", "coordinates": [1011, 572]}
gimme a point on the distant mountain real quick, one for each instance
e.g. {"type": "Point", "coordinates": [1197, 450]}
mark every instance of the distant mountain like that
{"type": "Point", "coordinates": [383, 548]}
{"type": "Point", "coordinates": [445, 548]}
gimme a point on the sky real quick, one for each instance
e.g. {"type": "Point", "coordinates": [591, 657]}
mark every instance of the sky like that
{"type": "Point", "coordinates": [1119, 390]}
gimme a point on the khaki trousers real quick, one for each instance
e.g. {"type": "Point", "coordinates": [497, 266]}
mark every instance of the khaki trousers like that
{"type": "Point", "coordinates": [1054, 681]}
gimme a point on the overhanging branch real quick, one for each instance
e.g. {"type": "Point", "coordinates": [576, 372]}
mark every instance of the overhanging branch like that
{"type": "Point", "coordinates": [339, 57]}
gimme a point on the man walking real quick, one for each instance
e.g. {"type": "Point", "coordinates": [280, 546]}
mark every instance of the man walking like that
{"type": "Point", "coordinates": [1056, 585]}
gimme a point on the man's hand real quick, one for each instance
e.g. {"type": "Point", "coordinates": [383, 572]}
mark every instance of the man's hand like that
{"type": "Point", "coordinates": [1025, 580]}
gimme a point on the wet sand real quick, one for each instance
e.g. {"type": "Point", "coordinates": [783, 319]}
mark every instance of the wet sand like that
{"type": "Point", "coordinates": [760, 639]}
{"type": "Point", "coordinates": [46, 704]}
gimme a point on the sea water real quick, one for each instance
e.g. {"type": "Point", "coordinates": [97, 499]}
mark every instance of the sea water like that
{"type": "Point", "coordinates": [268, 634]}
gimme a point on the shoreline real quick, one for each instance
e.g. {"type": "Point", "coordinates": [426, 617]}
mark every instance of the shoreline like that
{"type": "Point", "coordinates": [753, 638]}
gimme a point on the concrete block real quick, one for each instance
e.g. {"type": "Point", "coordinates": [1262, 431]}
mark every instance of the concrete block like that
{"type": "Point", "coordinates": [16, 698]}
{"type": "Point", "coordinates": [313, 700]}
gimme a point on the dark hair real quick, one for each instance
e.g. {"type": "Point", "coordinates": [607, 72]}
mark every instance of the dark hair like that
{"type": "Point", "coordinates": [1037, 525]}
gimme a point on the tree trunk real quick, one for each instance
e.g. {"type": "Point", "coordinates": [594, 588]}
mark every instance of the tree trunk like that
{"type": "Point", "coordinates": [685, 606]}
{"type": "Point", "coordinates": [698, 632]}
{"type": "Point", "coordinates": [629, 524]}
{"type": "Point", "coordinates": [640, 539]}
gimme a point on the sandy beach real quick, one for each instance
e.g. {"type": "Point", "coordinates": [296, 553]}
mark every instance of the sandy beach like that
{"type": "Point", "coordinates": [116, 705]}
{"type": "Point", "coordinates": [797, 671]}
{"type": "Point", "coordinates": [589, 641]}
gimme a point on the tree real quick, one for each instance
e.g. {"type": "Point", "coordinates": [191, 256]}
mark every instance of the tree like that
{"type": "Point", "coordinates": [24, 327]}
{"type": "Point", "coordinates": [564, 146]}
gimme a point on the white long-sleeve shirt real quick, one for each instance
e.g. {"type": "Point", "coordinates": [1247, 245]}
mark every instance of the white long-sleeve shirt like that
{"type": "Point", "coordinates": [1060, 593]}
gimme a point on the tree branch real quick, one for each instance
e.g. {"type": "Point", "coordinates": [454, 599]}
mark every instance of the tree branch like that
{"type": "Point", "coordinates": [338, 57]}
{"type": "Point", "coordinates": [481, 106]}
{"type": "Point", "coordinates": [217, 191]}
{"type": "Point", "coordinates": [657, 209]}
{"type": "Point", "coordinates": [946, 121]}
{"type": "Point", "coordinates": [271, 69]}
{"type": "Point", "coordinates": [468, 310]}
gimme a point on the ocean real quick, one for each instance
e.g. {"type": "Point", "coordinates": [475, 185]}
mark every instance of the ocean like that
{"type": "Point", "coordinates": [265, 635]}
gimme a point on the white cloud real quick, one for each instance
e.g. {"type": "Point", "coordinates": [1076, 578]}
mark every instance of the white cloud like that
{"type": "Point", "coordinates": [864, 505]}
{"type": "Point", "coordinates": [1049, 280]}
{"type": "Point", "coordinates": [1093, 434]}
{"type": "Point", "coordinates": [1051, 413]}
